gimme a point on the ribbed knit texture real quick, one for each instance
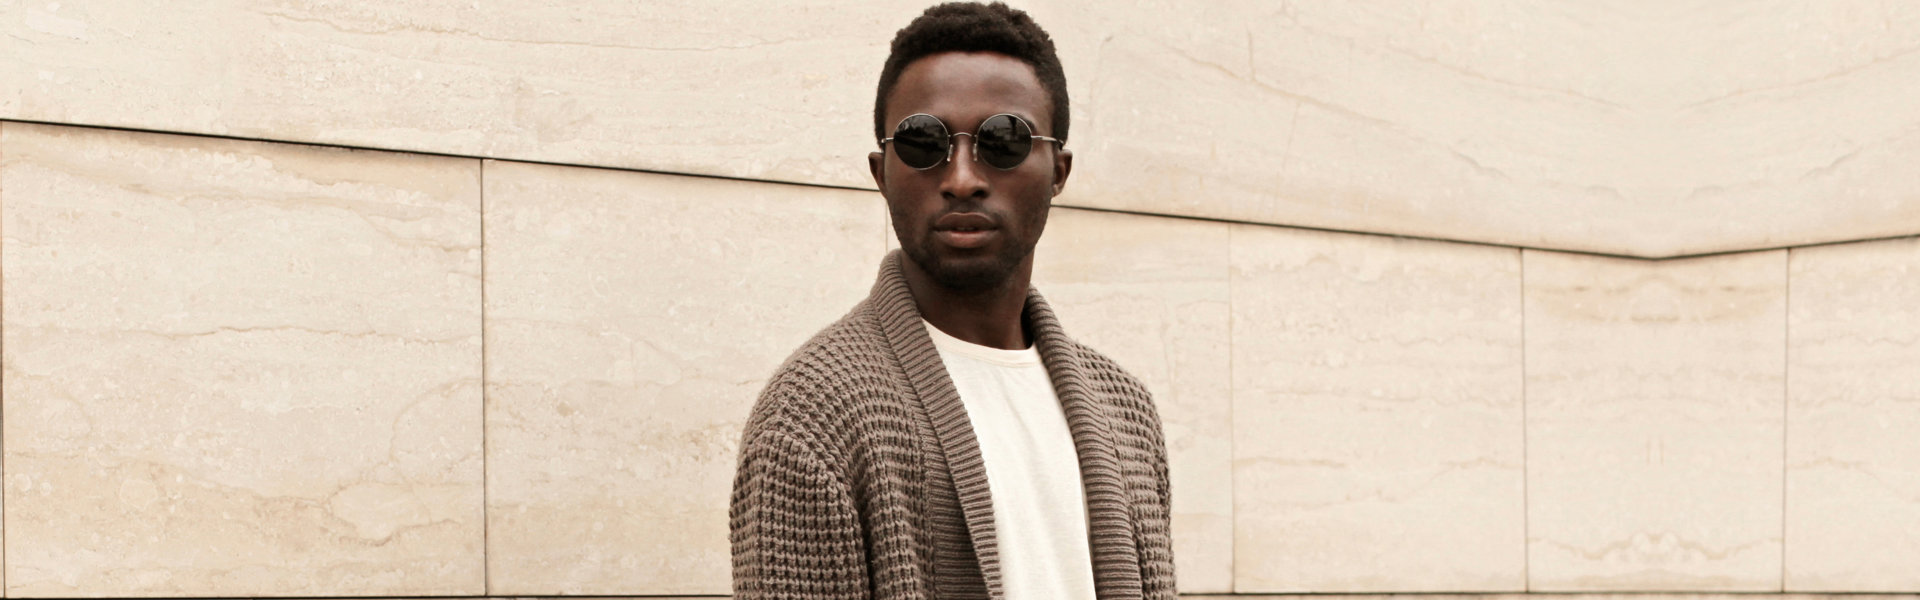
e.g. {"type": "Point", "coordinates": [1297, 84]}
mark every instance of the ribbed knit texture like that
{"type": "Point", "coordinates": [859, 474]}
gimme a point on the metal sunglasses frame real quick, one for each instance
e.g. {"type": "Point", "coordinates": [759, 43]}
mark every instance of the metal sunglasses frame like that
{"type": "Point", "coordinates": [973, 138]}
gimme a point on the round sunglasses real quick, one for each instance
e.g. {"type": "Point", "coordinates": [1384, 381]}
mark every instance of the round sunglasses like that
{"type": "Point", "coordinates": [1003, 141]}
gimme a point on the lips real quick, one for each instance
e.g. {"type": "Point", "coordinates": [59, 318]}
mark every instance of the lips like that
{"type": "Point", "coordinates": [965, 230]}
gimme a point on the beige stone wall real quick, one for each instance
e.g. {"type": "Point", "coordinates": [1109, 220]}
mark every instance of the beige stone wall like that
{"type": "Point", "coordinates": [467, 311]}
{"type": "Point", "coordinates": [1628, 127]}
{"type": "Point", "coordinates": [237, 368]}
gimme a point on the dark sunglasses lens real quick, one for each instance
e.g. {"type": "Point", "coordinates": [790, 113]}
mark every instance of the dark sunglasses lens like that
{"type": "Point", "coordinates": [1004, 141]}
{"type": "Point", "coordinates": [920, 141]}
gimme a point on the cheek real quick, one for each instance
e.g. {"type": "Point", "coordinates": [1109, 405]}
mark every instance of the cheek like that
{"type": "Point", "coordinates": [1036, 196]}
{"type": "Point", "coordinates": [919, 192]}
{"type": "Point", "coordinates": [904, 209]}
{"type": "Point", "coordinates": [899, 216]}
{"type": "Point", "coordinates": [1032, 215]}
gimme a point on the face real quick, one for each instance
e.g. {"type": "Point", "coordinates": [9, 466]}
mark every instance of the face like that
{"type": "Point", "coordinates": [963, 223]}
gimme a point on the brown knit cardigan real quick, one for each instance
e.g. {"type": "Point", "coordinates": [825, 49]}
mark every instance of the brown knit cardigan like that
{"type": "Point", "coordinates": [859, 475]}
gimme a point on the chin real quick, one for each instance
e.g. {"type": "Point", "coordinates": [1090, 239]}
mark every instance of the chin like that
{"type": "Point", "coordinates": [972, 273]}
{"type": "Point", "coordinates": [969, 279]}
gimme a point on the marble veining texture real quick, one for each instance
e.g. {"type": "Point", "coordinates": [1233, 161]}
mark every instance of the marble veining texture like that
{"type": "Point", "coordinates": [1376, 414]}
{"type": "Point", "coordinates": [1636, 128]}
{"type": "Point", "coordinates": [1655, 396]}
{"type": "Point", "coordinates": [772, 90]}
{"type": "Point", "coordinates": [1152, 294]}
{"type": "Point", "coordinates": [632, 320]}
{"type": "Point", "coordinates": [1853, 418]}
{"type": "Point", "coordinates": [236, 368]}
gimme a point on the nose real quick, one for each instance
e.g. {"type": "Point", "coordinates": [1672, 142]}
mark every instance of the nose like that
{"type": "Point", "coordinates": [963, 178]}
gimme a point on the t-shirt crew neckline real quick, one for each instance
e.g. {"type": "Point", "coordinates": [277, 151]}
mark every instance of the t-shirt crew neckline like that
{"type": "Point", "coordinates": [1024, 357]}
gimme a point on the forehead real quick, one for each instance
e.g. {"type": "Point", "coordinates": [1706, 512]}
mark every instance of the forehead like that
{"type": "Point", "coordinates": [964, 88]}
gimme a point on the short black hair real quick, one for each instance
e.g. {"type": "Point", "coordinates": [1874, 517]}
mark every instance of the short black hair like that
{"type": "Point", "coordinates": [976, 27]}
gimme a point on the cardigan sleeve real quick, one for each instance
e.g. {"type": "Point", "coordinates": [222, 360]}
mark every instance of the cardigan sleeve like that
{"type": "Point", "coordinates": [796, 533]}
{"type": "Point", "coordinates": [1158, 575]}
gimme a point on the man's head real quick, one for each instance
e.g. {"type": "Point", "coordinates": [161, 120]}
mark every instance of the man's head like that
{"type": "Point", "coordinates": [974, 27]}
{"type": "Point", "coordinates": [968, 224]}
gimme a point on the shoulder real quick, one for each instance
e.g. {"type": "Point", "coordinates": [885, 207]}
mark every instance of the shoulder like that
{"type": "Point", "coordinates": [842, 365]}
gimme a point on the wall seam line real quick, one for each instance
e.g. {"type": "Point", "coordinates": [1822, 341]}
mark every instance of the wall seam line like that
{"type": "Point", "coordinates": [3, 454]}
{"type": "Point", "coordinates": [486, 524]}
{"type": "Point", "coordinates": [1526, 483]}
{"type": "Point", "coordinates": [1786, 401]}
{"type": "Point", "coordinates": [1233, 439]}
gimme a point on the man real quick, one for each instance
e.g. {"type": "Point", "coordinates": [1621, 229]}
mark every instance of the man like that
{"type": "Point", "coordinates": [946, 439]}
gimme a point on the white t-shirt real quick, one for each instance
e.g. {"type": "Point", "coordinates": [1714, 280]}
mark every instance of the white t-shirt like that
{"type": "Point", "coordinates": [1033, 473]}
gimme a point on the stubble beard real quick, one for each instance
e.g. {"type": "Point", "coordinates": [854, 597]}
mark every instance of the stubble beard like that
{"type": "Point", "coordinates": [973, 274]}
{"type": "Point", "coordinates": [970, 276]}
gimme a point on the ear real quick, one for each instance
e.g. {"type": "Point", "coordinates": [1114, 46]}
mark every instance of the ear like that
{"type": "Point", "coordinates": [1062, 166]}
{"type": "Point", "coordinates": [876, 162]}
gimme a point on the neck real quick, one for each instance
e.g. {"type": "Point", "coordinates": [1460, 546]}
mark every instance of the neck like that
{"type": "Point", "coordinates": [988, 317]}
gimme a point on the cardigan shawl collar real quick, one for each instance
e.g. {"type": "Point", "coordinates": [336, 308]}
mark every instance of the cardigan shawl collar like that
{"type": "Point", "coordinates": [964, 519]}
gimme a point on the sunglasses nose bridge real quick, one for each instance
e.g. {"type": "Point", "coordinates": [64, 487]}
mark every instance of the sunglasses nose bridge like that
{"type": "Point", "coordinates": [953, 146]}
